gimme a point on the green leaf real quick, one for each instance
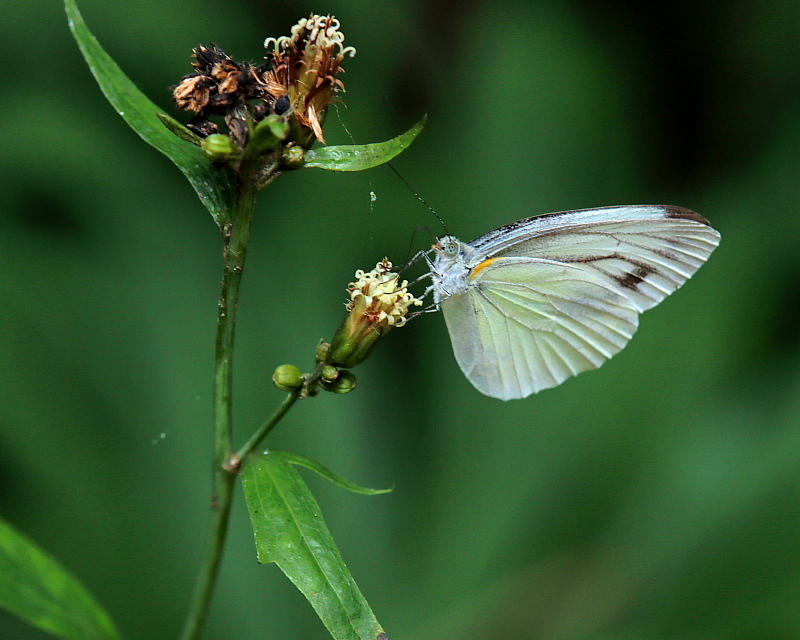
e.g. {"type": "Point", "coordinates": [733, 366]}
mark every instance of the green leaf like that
{"type": "Point", "coordinates": [290, 532]}
{"type": "Point", "coordinates": [35, 587]}
{"type": "Point", "coordinates": [358, 157]}
{"type": "Point", "coordinates": [179, 130]}
{"type": "Point", "coordinates": [321, 469]}
{"type": "Point", "coordinates": [213, 185]}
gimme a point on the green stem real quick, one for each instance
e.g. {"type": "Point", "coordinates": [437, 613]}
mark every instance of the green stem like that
{"type": "Point", "coordinates": [236, 236]}
{"type": "Point", "coordinates": [264, 429]}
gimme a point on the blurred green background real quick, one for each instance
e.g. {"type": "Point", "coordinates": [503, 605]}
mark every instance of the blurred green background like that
{"type": "Point", "coordinates": [655, 498]}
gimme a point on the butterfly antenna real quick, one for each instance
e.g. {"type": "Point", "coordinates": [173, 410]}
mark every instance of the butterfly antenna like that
{"type": "Point", "coordinates": [410, 260]}
{"type": "Point", "coordinates": [372, 196]}
{"type": "Point", "coordinates": [391, 166]}
{"type": "Point", "coordinates": [419, 197]}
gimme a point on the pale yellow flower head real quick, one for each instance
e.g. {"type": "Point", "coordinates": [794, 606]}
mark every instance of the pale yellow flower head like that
{"type": "Point", "coordinates": [381, 296]}
{"type": "Point", "coordinates": [379, 301]}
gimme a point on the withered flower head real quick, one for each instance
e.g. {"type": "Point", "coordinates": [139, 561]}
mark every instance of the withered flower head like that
{"type": "Point", "coordinates": [304, 68]}
{"type": "Point", "coordinates": [193, 92]}
{"type": "Point", "coordinates": [218, 83]}
{"type": "Point", "coordinates": [272, 112]}
{"type": "Point", "coordinates": [221, 86]}
{"type": "Point", "coordinates": [379, 300]}
{"type": "Point", "coordinates": [218, 65]}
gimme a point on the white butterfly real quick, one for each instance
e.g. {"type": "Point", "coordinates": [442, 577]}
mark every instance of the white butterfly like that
{"type": "Point", "coordinates": [539, 300]}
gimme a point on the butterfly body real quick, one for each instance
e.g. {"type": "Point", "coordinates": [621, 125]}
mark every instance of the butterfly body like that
{"type": "Point", "coordinates": [545, 298]}
{"type": "Point", "coordinates": [455, 262]}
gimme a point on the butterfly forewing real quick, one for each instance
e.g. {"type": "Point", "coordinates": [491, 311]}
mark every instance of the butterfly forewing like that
{"type": "Point", "coordinates": [649, 254]}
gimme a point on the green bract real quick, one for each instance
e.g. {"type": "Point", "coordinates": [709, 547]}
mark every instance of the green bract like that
{"type": "Point", "coordinates": [357, 157]}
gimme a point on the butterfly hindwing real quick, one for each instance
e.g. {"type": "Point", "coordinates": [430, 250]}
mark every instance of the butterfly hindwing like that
{"type": "Point", "coordinates": [529, 324]}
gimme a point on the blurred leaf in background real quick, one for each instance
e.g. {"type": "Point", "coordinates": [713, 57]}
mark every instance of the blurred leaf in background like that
{"type": "Point", "coordinates": [654, 498]}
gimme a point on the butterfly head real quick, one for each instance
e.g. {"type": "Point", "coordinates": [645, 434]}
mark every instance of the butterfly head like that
{"type": "Point", "coordinates": [448, 245]}
{"type": "Point", "coordinates": [451, 268]}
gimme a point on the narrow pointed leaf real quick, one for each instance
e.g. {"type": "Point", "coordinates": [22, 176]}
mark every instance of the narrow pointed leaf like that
{"type": "Point", "coordinates": [321, 469]}
{"type": "Point", "coordinates": [35, 587]}
{"type": "Point", "coordinates": [212, 184]}
{"type": "Point", "coordinates": [290, 532]}
{"type": "Point", "coordinates": [357, 157]}
{"type": "Point", "coordinates": [179, 130]}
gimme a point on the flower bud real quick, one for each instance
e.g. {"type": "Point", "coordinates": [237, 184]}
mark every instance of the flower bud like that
{"type": "Point", "coordinates": [294, 157]}
{"type": "Point", "coordinates": [379, 300]}
{"type": "Point", "coordinates": [267, 134]}
{"type": "Point", "coordinates": [344, 383]}
{"type": "Point", "coordinates": [219, 148]}
{"type": "Point", "coordinates": [323, 351]}
{"type": "Point", "coordinates": [287, 377]}
{"type": "Point", "coordinates": [329, 373]}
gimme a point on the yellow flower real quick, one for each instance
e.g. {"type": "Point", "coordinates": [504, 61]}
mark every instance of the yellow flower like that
{"type": "Point", "coordinates": [304, 68]}
{"type": "Point", "coordinates": [379, 301]}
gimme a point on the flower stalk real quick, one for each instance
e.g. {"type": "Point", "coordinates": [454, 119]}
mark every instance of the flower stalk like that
{"type": "Point", "coordinates": [236, 235]}
{"type": "Point", "coordinates": [291, 94]}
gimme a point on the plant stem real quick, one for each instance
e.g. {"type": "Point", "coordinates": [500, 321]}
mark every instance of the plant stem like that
{"type": "Point", "coordinates": [236, 235]}
{"type": "Point", "coordinates": [264, 429]}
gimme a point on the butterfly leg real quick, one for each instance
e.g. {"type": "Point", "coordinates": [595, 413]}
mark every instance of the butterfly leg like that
{"type": "Point", "coordinates": [431, 308]}
{"type": "Point", "coordinates": [414, 259]}
{"type": "Point", "coordinates": [421, 254]}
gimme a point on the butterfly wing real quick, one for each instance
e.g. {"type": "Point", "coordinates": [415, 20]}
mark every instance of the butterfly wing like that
{"type": "Point", "coordinates": [644, 251]}
{"type": "Point", "coordinates": [527, 324]}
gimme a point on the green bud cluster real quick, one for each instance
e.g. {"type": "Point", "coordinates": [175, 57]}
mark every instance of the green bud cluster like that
{"type": "Point", "coordinates": [337, 380]}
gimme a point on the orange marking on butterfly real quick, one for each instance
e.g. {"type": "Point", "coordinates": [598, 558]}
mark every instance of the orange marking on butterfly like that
{"type": "Point", "coordinates": [481, 267]}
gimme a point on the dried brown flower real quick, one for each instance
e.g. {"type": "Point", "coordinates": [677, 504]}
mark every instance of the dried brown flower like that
{"type": "Point", "coordinates": [296, 84]}
{"type": "Point", "coordinates": [304, 69]}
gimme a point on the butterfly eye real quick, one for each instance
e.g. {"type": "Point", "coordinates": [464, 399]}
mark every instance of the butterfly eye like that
{"type": "Point", "coordinates": [450, 246]}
